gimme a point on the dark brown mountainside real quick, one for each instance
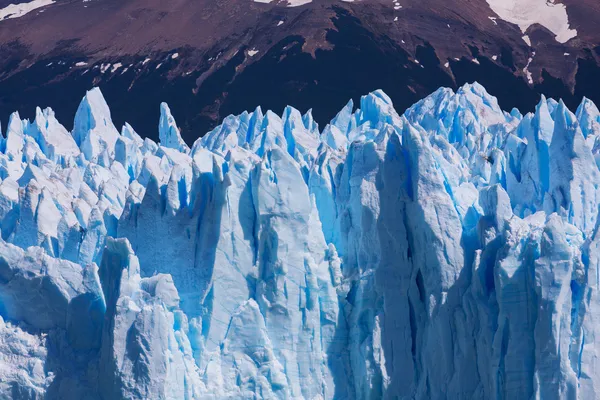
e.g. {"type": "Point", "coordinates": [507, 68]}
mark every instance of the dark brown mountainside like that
{"type": "Point", "coordinates": [209, 58]}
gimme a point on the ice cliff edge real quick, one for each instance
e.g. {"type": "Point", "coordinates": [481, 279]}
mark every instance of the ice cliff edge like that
{"type": "Point", "coordinates": [448, 252]}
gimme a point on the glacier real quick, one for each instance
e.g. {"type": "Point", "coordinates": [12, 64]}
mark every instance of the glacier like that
{"type": "Point", "coordinates": [452, 251]}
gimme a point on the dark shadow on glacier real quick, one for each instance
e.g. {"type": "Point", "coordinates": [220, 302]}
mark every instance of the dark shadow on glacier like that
{"type": "Point", "coordinates": [250, 231]}
{"type": "Point", "coordinates": [75, 372]}
{"type": "Point", "coordinates": [397, 281]}
{"type": "Point", "coordinates": [208, 203]}
{"type": "Point", "coordinates": [415, 350]}
{"type": "Point", "coordinates": [338, 359]}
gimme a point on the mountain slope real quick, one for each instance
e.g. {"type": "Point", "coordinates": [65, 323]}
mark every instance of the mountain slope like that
{"type": "Point", "coordinates": [209, 60]}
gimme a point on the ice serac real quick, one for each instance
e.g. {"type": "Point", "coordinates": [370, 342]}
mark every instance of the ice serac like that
{"type": "Point", "coordinates": [93, 129]}
{"type": "Point", "coordinates": [22, 362]}
{"type": "Point", "coordinates": [451, 251]}
{"type": "Point", "coordinates": [144, 351]}
{"type": "Point", "coordinates": [54, 140]}
{"type": "Point", "coordinates": [168, 132]}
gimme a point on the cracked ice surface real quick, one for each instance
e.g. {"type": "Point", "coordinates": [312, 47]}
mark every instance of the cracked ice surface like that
{"type": "Point", "coordinates": [451, 251]}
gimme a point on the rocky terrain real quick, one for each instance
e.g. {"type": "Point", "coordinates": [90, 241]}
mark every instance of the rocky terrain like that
{"type": "Point", "coordinates": [209, 58]}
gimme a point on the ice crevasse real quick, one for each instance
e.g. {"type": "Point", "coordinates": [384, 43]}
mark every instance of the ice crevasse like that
{"type": "Point", "coordinates": [450, 252]}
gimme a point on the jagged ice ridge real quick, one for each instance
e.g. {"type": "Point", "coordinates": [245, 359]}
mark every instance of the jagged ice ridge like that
{"type": "Point", "coordinates": [449, 252]}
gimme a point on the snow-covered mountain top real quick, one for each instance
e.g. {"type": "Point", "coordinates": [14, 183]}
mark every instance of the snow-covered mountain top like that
{"type": "Point", "coordinates": [451, 250]}
{"type": "Point", "coordinates": [525, 13]}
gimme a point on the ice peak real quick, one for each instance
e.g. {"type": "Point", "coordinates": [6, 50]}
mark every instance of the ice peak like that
{"type": "Point", "coordinates": [15, 125]}
{"type": "Point", "coordinates": [342, 119]}
{"type": "Point", "coordinates": [544, 121]}
{"type": "Point", "coordinates": [93, 113]}
{"type": "Point", "coordinates": [589, 118]}
{"type": "Point", "coordinates": [474, 88]}
{"type": "Point", "coordinates": [128, 132]}
{"type": "Point", "coordinates": [168, 131]}
{"type": "Point", "coordinates": [564, 115]}
{"type": "Point", "coordinates": [93, 129]}
{"type": "Point", "coordinates": [309, 122]}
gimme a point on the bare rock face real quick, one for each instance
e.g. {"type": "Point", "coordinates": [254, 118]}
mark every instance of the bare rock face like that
{"type": "Point", "coordinates": [209, 60]}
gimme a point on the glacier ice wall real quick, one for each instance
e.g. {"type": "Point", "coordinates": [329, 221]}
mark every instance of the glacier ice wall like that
{"type": "Point", "coordinates": [449, 252]}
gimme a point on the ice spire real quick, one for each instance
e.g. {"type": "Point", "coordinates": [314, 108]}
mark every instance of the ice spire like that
{"type": "Point", "coordinates": [93, 129]}
{"type": "Point", "coordinates": [168, 132]}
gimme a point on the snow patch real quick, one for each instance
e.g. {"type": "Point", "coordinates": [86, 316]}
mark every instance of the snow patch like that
{"type": "Point", "coordinates": [115, 67]}
{"type": "Point", "coordinates": [526, 69]}
{"type": "Point", "coordinates": [298, 3]}
{"type": "Point", "coordinates": [525, 13]}
{"type": "Point", "coordinates": [18, 10]}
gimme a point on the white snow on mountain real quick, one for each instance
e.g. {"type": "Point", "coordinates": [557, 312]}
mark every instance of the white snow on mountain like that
{"type": "Point", "coordinates": [297, 3]}
{"type": "Point", "coordinates": [525, 13]}
{"type": "Point", "coordinates": [448, 252]}
{"type": "Point", "coordinates": [18, 10]}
